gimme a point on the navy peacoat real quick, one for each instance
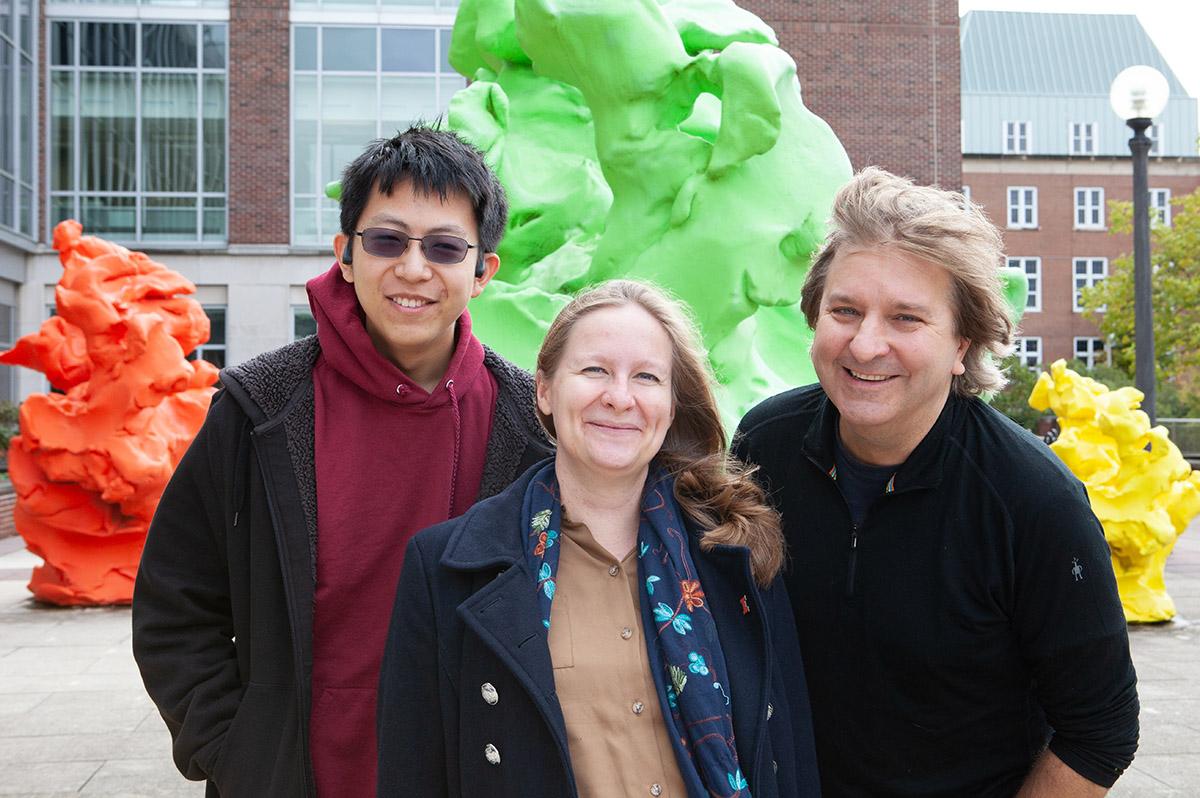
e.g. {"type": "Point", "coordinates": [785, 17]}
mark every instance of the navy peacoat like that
{"type": "Point", "coordinates": [467, 705]}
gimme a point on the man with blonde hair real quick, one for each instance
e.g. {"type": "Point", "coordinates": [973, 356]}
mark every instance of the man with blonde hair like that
{"type": "Point", "coordinates": [958, 615]}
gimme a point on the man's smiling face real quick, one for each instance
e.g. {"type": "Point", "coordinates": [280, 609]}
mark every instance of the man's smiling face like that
{"type": "Point", "coordinates": [411, 304]}
{"type": "Point", "coordinates": [885, 349]}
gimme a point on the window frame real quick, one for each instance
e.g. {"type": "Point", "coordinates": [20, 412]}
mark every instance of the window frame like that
{"type": "Point", "coordinates": [1089, 278]}
{"type": "Point", "coordinates": [1090, 358]}
{"type": "Point", "coordinates": [1031, 207]}
{"type": "Point", "coordinates": [1160, 203]}
{"type": "Point", "coordinates": [1021, 350]}
{"type": "Point", "coordinates": [1033, 295]}
{"type": "Point", "coordinates": [1016, 137]}
{"type": "Point", "coordinates": [207, 205]}
{"type": "Point", "coordinates": [1095, 217]}
{"type": "Point", "coordinates": [1081, 138]}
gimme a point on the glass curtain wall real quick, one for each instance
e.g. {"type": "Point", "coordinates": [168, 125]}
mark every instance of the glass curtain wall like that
{"type": "Point", "coordinates": [17, 156]}
{"type": "Point", "coordinates": [355, 83]}
{"type": "Point", "coordinates": [138, 140]}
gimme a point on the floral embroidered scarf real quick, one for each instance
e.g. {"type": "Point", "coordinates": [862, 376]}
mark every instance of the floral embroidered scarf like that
{"type": "Point", "coordinates": [681, 637]}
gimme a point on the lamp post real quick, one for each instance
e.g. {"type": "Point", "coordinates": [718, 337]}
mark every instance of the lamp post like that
{"type": "Point", "coordinates": [1138, 95]}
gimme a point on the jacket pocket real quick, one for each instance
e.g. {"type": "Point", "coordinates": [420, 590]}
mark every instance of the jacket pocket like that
{"type": "Point", "coordinates": [261, 754]}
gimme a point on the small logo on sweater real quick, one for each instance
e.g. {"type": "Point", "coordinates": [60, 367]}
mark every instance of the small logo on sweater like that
{"type": "Point", "coordinates": [745, 606]}
{"type": "Point", "coordinates": [1077, 569]}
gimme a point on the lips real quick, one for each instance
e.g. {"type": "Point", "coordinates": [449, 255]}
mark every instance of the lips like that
{"type": "Point", "coordinates": [410, 302]}
{"type": "Point", "coordinates": [868, 377]}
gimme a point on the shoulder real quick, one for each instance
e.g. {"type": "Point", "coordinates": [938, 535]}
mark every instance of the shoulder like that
{"type": "Point", "coordinates": [792, 409]}
{"type": "Point", "coordinates": [1004, 450]}
{"type": "Point", "coordinates": [270, 380]}
{"type": "Point", "coordinates": [508, 375]}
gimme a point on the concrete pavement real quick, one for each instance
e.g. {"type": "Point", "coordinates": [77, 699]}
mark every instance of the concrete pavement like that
{"type": "Point", "coordinates": [74, 719]}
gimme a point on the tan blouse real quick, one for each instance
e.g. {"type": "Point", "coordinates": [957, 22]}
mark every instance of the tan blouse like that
{"type": "Point", "coordinates": [618, 739]}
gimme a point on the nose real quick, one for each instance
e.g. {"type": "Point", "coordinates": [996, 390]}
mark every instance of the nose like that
{"type": "Point", "coordinates": [618, 396]}
{"type": "Point", "coordinates": [412, 265]}
{"type": "Point", "coordinates": [870, 340]}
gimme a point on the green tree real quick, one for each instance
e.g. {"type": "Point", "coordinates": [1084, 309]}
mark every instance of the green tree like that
{"type": "Point", "coordinates": [1175, 260]}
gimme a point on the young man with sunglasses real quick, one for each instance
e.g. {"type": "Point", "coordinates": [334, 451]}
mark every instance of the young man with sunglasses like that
{"type": "Point", "coordinates": [268, 577]}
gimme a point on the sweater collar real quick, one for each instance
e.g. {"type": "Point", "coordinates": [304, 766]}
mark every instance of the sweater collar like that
{"type": "Point", "coordinates": [347, 347]}
{"type": "Point", "coordinates": [922, 469]}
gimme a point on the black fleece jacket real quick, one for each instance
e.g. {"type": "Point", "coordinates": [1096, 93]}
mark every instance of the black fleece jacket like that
{"type": "Point", "coordinates": [971, 617]}
{"type": "Point", "coordinates": [223, 602]}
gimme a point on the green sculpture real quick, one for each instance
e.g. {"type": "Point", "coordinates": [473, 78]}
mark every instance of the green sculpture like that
{"type": "Point", "coordinates": [664, 141]}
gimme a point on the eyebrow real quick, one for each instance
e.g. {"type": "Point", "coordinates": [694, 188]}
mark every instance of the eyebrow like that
{"type": "Point", "coordinates": [905, 307]}
{"type": "Point", "coordinates": [395, 221]}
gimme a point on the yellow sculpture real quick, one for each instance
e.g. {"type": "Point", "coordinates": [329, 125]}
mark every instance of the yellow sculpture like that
{"type": "Point", "coordinates": [1141, 488]}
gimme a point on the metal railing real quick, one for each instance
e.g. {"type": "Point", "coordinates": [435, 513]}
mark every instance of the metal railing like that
{"type": "Point", "coordinates": [1185, 433]}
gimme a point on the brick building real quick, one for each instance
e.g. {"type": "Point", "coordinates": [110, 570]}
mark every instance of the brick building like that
{"type": "Point", "coordinates": [203, 131]}
{"type": "Point", "coordinates": [1044, 153]}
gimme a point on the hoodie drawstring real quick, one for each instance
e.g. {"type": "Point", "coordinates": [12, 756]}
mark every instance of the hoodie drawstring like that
{"type": "Point", "coordinates": [457, 444]}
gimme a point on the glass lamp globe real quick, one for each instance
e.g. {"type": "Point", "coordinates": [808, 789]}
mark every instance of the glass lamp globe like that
{"type": "Point", "coordinates": [1139, 92]}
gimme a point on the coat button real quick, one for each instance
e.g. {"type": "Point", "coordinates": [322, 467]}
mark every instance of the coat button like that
{"type": "Point", "coordinates": [770, 711]}
{"type": "Point", "coordinates": [491, 754]}
{"type": "Point", "coordinates": [626, 633]}
{"type": "Point", "coordinates": [613, 571]}
{"type": "Point", "coordinates": [489, 693]}
{"type": "Point", "coordinates": [774, 765]}
{"type": "Point", "coordinates": [638, 706]}
{"type": "Point", "coordinates": [656, 789]}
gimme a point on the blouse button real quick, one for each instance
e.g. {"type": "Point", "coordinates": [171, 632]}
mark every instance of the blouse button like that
{"type": "Point", "coordinates": [613, 571]}
{"type": "Point", "coordinates": [638, 706]}
{"type": "Point", "coordinates": [491, 754]}
{"type": "Point", "coordinates": [656, 789]}
{"type": "Point", "coordinates": [489, 693]}
{"type": "Point", "coordinates": [626, 633]}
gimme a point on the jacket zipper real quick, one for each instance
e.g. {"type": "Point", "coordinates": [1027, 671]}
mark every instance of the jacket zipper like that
{"type": "Point", "coordinates": [850, 566]}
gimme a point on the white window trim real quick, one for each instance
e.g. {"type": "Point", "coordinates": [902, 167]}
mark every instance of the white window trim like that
{"type": "Point", "coordinates": [1022, 352]}
{"type": "Point", "coordinates": [1093, 279]}
{"type": "Point", "coordinates": [1164, 210]}
{"type": "Point", "coordinates": [1033, 223]}
{"type": "Point", "coordinates": [1017, 149]}
{"type": "Point", "coordinates": [1094, 357]}
{"type": "Point", "coordinates": [1087, 136]}
{"type": "Point", "coordinates": [1089, 209]}
{"type": "Point", "coordinates": [1035, 292]}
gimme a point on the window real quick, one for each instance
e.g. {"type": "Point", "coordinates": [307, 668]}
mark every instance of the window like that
{"type": "Point", "coordinates": [351, 85]}
{"type": "Point", "coordinates": [137, 116]}
{"type": "Point", "coordinates": [1083, 138]}
{"type": "Point", "coordinates": [1088, 272]}
{"type": "Point", "coordinates": [17, 85]}
{"type": "Point", "coordinates": [1028, 351]}
{"type": "Point", "coordinates": [1160, 204]}
{"type": "Point", "coordinates": [1090, 351]}
{"type": "Point", "coordinates": [1154, 133]}
{"type": "Point", "coordinates": [1022, 207]}
{"type": "Point", "coordinates": [1016, 138]}
{"type": "Point", "coordinates": [213, 350]}
{"type": "Point", "coordinates": [1033, 274]}
{"type": "Point", "coordinates": [1089, 209]}
{"type": "Point", "coordinates": [303, 322]}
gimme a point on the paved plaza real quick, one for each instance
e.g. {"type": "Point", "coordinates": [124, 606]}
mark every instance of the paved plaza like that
{"type": "Point", "coordinates": [74, 719]}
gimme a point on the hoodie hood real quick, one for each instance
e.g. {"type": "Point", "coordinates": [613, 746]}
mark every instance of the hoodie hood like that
{"type": "Point", "coordinates": [348, 348]}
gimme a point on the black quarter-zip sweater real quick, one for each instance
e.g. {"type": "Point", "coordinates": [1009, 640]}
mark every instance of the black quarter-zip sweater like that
{"type": "Point", "coordinates": [971, 616]}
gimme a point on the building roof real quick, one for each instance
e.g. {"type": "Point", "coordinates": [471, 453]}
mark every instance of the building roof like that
{"type": "Point", "coordinates": [1052, 72]}
{"type": "Point", "coordinates": [1033, 53]}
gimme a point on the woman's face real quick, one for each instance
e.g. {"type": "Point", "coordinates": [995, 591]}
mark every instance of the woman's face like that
{"type": "Point", "coordinates": [610, 396]}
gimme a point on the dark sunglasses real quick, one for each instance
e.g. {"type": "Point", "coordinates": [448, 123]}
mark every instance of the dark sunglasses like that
{"type": "Point", "coordinates": [387, 243]}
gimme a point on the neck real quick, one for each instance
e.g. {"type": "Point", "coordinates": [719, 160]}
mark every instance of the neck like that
{"type": "Point", "coordinates": [610, 508]}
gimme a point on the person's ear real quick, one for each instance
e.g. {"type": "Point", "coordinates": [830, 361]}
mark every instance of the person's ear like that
{"type": "Point", "coordinates": [343, 249]}
{"type": "Point", "coordinates": [491, 264]}
{"type": "Point", "coordinates": [959, 367]}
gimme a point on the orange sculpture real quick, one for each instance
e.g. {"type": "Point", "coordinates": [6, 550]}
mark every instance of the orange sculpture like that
{"type": "Point", "coordinates": [91, 462]}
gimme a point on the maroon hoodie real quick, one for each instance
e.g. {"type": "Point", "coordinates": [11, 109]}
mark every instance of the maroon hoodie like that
{"type": "Point", "coordinates": [391, 460]}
